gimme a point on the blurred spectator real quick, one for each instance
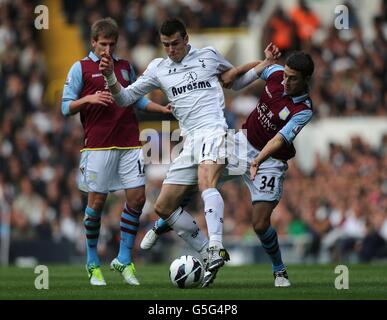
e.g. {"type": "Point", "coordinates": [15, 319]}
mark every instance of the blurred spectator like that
{"type": "Point", "coordinates": [281, 31]}
{"type": "Point", "coordinates": [28, 205]}
{"type": "Point", "coordinates": [306, 21]}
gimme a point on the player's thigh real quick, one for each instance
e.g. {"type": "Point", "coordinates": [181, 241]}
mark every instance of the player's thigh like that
{"type": "Point", "coordinates": [131, 170]}
{"type": "Point", "coordinates": [97, 167]}
{"type": "Point", "coordinates": [212, 158]}
{"type": "Point", "coordinates": [238, 162]}
{"type": "Point", "coordinates": [96, 200]}
{"type": "Point", "coordinates": [184, 169]}
{"type": "Point", "coordinates": [209, 173]}
{"type": "Point", "coordinates": [171, 197]}
{"type": "Point", "coordinates": [212, 147]}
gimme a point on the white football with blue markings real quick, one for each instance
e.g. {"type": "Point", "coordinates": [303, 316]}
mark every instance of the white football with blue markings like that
{"type": "Point", "coordinates": [186, 272]}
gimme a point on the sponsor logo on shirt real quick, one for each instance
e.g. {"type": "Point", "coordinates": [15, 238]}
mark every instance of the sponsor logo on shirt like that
{"type": "Point", "coordinates": [265, 116]}
{"type": "Point", "coordinates": [95, 75]}
{"type": "Point", "coordinates": [191, 86]}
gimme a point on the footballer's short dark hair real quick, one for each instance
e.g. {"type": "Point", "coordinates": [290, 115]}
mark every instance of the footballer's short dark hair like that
{"type": "Point", "coordinates": [301, 62]}
{"type": "Point", "coordinates": [106, 27]}
{"type": "Point", "coordinates": [171, 26]}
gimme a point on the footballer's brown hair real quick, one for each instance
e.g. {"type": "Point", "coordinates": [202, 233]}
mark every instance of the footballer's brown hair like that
{"type": "Point", "coordinates": [106, 27]}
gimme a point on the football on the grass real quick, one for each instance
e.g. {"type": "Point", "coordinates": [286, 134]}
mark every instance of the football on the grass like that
{"type": "Point", "coordinates": [186, 272]}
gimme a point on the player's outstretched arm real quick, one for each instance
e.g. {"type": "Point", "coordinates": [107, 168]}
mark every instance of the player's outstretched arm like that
{"type": "Point", "coordinates": [228, 77]}
{"type": "Point", "coordinates": [126, 96]}
{"type": "Point", "coordinates": [272, 53]}
{"type": "Point", "coordinates": [155, 107]}
{"type": "Point", "coordinates": [271, 147]}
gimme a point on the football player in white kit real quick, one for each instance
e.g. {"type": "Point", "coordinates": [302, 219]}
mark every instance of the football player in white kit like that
{"type": "Point", "coordinates": [189, 78]}
{"type": "Point", "coordinates": [283, 109]}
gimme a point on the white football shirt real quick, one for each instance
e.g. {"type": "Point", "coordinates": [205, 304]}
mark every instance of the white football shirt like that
{"type": "Point", "coordinates": [191, 85]}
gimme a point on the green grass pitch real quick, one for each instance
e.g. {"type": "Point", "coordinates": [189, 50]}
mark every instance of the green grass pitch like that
{"type": "Point", "coordinates": [253, 282]}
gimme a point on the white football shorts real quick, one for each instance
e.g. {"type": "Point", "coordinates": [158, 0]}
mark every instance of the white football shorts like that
{"type": "Point", "coordinates": [106, 171]}
{"type": "Point", "coordinates": [210, 144]}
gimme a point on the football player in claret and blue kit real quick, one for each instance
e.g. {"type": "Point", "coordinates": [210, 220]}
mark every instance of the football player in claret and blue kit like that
{"type": "Point", "coordinates": [283, 109]}
{"type": "Point", "coordinates": [111, 158]}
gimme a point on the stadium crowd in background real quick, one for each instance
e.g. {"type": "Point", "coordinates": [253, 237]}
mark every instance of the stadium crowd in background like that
{"type": "Point", "coordinates": [341, 206]}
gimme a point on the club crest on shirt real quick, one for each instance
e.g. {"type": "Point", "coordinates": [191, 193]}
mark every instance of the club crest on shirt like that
{"type": "Point", "coordinates": [202, 62]}
{"type": "Point", "coordinates": [284, 113]}
{"type": "Point", "coordinates": [125, 74]}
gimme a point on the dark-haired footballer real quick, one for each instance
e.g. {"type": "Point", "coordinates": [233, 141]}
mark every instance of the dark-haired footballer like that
{"type": "Point", "coordinates": [283, 109]}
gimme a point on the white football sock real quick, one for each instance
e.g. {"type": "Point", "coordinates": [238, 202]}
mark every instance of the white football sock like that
{"type": "Point", "coordinates": [214, 212]}
{"type": "Point", "coordinates": [185, 226]}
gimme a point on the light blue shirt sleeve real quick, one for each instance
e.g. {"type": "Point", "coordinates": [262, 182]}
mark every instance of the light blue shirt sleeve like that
{"type": "Point", "coordinates": [295, 124]}
{"type": "Point", "coordinates": [143, 101]}
{"type": "Point", "coordinates": [72, 87]}
{"type": "Point", "coordinates": [268, 71]}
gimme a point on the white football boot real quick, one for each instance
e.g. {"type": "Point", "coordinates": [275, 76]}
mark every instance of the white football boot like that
{"type": "Point", "coordinates": [281, 279]}
{"type": "Point", "coordinates": [149, 239]}
{"type": "Point", "coordinates": [216, 259]}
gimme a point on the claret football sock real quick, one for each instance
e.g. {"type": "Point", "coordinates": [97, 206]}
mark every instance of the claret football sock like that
{"type": "Point", "coordinates": [269, 240]}
{"type": "Point", "coordinates": [129, 225]}
{"type": "Point", "coordinates": [92, 224]}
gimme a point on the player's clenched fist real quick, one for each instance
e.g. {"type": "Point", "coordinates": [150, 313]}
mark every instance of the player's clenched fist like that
{"type": "Point", "coordinates": [106, 64]}
{"type": "Point", "coordinates": [272, 52]}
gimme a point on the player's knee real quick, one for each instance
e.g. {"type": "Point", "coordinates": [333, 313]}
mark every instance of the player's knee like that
{"type": "Point", "coordinates": [97, 205]}
{"type": "Point", "coordinates": [261, 225]}
{"type": "Point", "coordinates": [206, 181]}
{"type": "Point", "coordinates": [207, 177]}
{"type": "Point", "coordinates": [137, 202]}
{"type": "Point", "coordinates": [161, 210]}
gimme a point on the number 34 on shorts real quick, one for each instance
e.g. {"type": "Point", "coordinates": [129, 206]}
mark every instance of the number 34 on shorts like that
{"type": "Point", "coordinates": [265, 187]}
